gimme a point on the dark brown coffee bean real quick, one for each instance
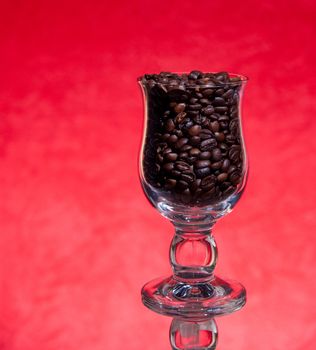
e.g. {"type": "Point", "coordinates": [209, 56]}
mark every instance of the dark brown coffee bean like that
{"type": "Point", "coordinates": [221, 109]}
{"type": "Point", "coordinates": [170, 125]}
{"type": "Point", "coordinates": [172, 157]}
{"type": "Point", "coordinates": [214, 126]}
{"type": "Point", "coordinates": [177, 94]}
{"type": "Point", "coordinates": [219, 136]}
{"type": "Point", "coordinates": [202, 164]}
{"type": "Point", "coordinates": [226, 164]}
{"type": "Point", "coordinates": [182, 166]}
{"type": "Point", "coordinates": [193, 113]}
{"type": "Point", "coordinates": [208, 182]}
{"type": "Point", "coordinates": [228, 94]}
{"type": "Point", "coordinates": [181, 142]}
{"type": "Point", "coordinates": [219, 101]}
{"type": "Point", "coordinates": [204, 101]}
{"type": "Point", "coordinates": [175, 173]}
{"type": "Point", "coordinates": [183, 155]}
{"type": "Point", "coordinates": [234, 177]}
{"type": "Point", "coordinates": [200, 173]}
{"type": "Point", "coordinates": [199, 95]}
{"type": "Point", "coordinates": [195, 107]}
{"type": "Point", "coordinates": [216, 165]}
{"type": "Point", "coordinates": [195, 74]}
{"type": "Point", "coordinates": [208, 144]}
{"type": "Point", "coordinates": [230, 190]}
{"type": "Point", "coordinates": [180, 107]}
{"type": "Point", "coordinates": [207, 92]}
{"type": "Point", "coordinates": [195, 152]}
{"type": "Point", "coordinates": [208, 110]}
{"type": "Point", "coordinates": [230, 139]}
{"type": "Point", "coordinates": [206, 134]}
{"type": "Point", "coordinates": [173, 139]}
{"type": "Point", "coordinates": [170, 183]}
{"type": "Point", "coordinates": [195, 130]}
{"type": "Point", "coordinates": [195, 140]}
{"type": "Point", "coordinates": [234, 155]}
{"type": "Point", "coordinates": [187, 177]}
{"type": "Point", "coordinates": [195, 185]}
{"type": "Point", "coordinates": [180, 117]}
{"type": "Point", "coordinates": [222, 77]}
{"type": "Point", "coordinates": [185, 148]}
{"type": "Point", "coordinates": [219, 92]}
{"type": "Point", "coordinates": [167, 150]}
{"type": "Point", "coordinates": [216, 154]}
{"type": "Point", "coordinates": [182, 185]}
{"type": "Point", "coordinates": [231, 169]}
{"type": "Point", "coordinates": [205, 155]}
{"type": "Point", "coordinates": [222, 177]}
{"type": "Point", "coordinates": [165, 136]}
{"type": "Point", "coordinates": [168, 167]}
{"type": "Point", "coordinates": [209, 194]}
{"type": "Point", "coordinates": [193, 100]}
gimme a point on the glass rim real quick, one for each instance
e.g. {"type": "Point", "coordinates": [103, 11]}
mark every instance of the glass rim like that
{"type": "Point", "coordinates": [243, 79]}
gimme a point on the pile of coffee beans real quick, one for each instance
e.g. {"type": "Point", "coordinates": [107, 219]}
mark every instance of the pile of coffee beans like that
{"type": "Point", "coordinates": [193, 149]}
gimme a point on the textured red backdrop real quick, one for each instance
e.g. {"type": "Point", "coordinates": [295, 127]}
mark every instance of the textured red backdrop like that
{"type": "Point", "coordinates": [78, 238]}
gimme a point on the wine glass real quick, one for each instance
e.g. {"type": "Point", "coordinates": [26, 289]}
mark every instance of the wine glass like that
{"type": "Point", "coordinates": [193, 169]}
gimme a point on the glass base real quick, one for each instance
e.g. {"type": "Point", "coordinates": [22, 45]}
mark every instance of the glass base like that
{"type": "Point", "coordinates": [194, 301]}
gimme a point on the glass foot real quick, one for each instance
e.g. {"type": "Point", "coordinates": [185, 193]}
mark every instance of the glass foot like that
{"type": "Point", "coordinates": [197, 301]}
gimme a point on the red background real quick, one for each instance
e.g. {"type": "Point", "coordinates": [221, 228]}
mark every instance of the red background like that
{"type": "Point", "coordinates": [78, 238]}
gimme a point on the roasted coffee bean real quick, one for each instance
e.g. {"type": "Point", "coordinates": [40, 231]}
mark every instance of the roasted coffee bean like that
{"type": "Point", "coordinates": [167, 150]}
{"type": "Point", "coordinates": [195, 185]}
{"type": "Point", "coordinates": [165, 137]}
{"type": "Point", "coordinates": [181, 142]}
{"type": "Point", "coordinates": [207, 92]}
{"type": "Point", "coordinates": [219, 92]}
{"type": "Point", "coordinates": [195, 152]}
{"type": "Point", "coordinates": [187, 176]}
{"type": "Point", "coordinates": [209, 194]}
{"type": "Point", "coordinates": [185, 148]}
{"type": "Point", "coordinates": [195, 141]}
{"type": "Point", "coordinates": [182, 166]}
{"type": "Point", "coordinates": [183, 155]}
{"type": "Point", "coordinates": [182, 185]}
{"type": "Point", "coordinates": [202, 164]}
{"type": "Point", "coordinates": [219, 101]}
{"type": "Point", "coordinates": [200, 173]}
{"type": "Point", "coordinates": [172, 157]}
{"type": "Point", "coordinates": [193, 113]}
{"type": "Point", "coordinates": [195, 74]}
{"type": "Point", "coordinates": [195, 130]}
{"type": "Point", "coordinates": [170, 125]}
{"type": "Point", "coordinates": [222, 177]}
{"type": "Point", "coordinates": [226, 164]}
{"type": "Point", "coordinates": [204, 101]}
{"type": "Point", "coordinates": [178, 94]}
{"type": "Point", "coordinates": [205, 155]}
{"type": "Point", "coordinates": [170, 183]}
{"type": "Point", "coordinates": [228, 94]}
{"type": "Point", "coordinates": [216, 154]}
{"type": "Point", "coordinates": [193, 100]}
{"type": "Point", "coordinates": [208, 182]}
{"type": "Point", "coordinates": [186, 196]}
{"type": "Point", "coordinates": [180, 117]}
{"type": "Point", "coordinates": [230, 190]}
{"type": "Point", "coordinates": [195, 107]}
{"type": "Point", "coordinates": [159, 158]}
{"type": "Point", "coordinates": [216, 165]}
{"type": "Point", "coordinates": [206, 134]}
{"type": "Point", "coordinates": [180, 107]}
{"type": "Point", "coordinates": [234, 177]}
{"type": "Point", "coordinates": [219, 136]}
{"type": "Point", "coordinates": [231, 169]}
{"type": "Point", "coordinates": [172, 139]}
{"type": "Point", "coordinates": [175, 173]}
{"type": "Point", "coordinates": [208, 110]}
{"type": "Point", "coordinates": [221, 109]}
{"type": "Point", "coordinates": [208, 144]}
{"type": "Point", "coordinates": [168, 167]}
{"type": "Point", "coordinates": [214, 126]}
{"type": "Point", "coordinates": [234, 155]}
{"type": "Point", "coordinates": [199, 95]}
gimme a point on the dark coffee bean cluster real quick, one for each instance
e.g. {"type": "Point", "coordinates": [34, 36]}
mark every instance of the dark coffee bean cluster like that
{"type": "Point", "coordinates": [193, 149]}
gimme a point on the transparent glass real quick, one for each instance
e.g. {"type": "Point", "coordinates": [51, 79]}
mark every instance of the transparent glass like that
{"type": "Point", "coordinates": [193, 169]}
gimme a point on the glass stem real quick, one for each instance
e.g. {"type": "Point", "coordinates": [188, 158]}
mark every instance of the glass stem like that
{"type": "Point", "coordinates": [193, 254]}
{"type": "Point", "coordinates": [197, 335]}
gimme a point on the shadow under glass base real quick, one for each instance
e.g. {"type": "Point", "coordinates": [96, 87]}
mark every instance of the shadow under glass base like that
{"type": "Point", "coordinates": [198, 301]}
